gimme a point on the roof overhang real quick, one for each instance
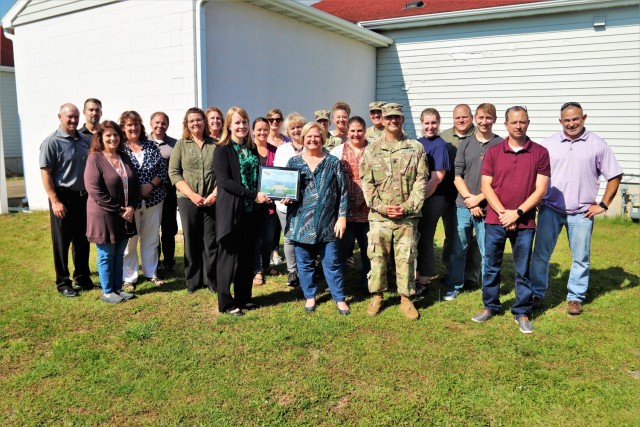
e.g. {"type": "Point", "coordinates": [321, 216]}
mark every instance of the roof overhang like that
{"type": "Point", "coordinates": [500, 12]}
{"type": "Point", "coordinates": [7, 19]}
{"type": "Point", "coordinates": [289, 8]}
{"type": "Point", "coordinates": [44, 10]}
{"type": "Point", "coordinates": [321, 19]}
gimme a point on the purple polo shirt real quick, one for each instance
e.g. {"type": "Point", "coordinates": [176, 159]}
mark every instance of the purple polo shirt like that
{"type": "Point", "coordinates": [576, 167]}
{"type": "Point", "coordinates": [514, 177]}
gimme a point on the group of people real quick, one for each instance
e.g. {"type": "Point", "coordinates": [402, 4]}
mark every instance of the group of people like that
{"type": "Point", "coordinates": [113, 185]}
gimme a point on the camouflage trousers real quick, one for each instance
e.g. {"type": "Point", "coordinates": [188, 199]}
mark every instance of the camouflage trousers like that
{"type": "Point", "coordinates": [402, 236]}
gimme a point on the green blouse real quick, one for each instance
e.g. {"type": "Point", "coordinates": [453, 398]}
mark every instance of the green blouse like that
{"type": "Point", "coordinates": [193, 165]}
{"type": "Point", "coordinates": [249, 165]}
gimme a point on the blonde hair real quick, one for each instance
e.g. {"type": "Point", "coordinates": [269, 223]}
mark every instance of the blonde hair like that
{"type": "Point", "coordinates": [313, 125]}
{"type": "Point", "coordinates": [225, 138]}
{"type": "Point", "coordinates": [293, 118]}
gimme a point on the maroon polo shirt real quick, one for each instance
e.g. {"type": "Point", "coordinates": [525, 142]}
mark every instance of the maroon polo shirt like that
{"type": "Point", "coordinates": [514, 177]}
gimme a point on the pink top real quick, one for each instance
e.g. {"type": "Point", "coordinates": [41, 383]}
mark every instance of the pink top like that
{"type": "Point", "coordinates": [358, 209]}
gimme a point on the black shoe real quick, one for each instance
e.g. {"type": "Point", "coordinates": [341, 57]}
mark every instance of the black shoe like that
{"type": "Point", "coordinates": [77, 288]}
{"type": "Point", "coordinates": [234, 312]}
{"type": "Point", "coordinates": [292, 279]}
{"type": "Point", "coordinates": [471, 284]}
{"type": "Point", "coordinates": [68, 292]}
{"type": "Point", "coordinates": [89, 286]}
{"type": "Point", "coordinates": [168, 268]}
{"type": "Point", "coordinates": [250, 306]}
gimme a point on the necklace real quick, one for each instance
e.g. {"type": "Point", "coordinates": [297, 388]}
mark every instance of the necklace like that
{"type": "Point", "coordinates": [297, 150]}
{"type": "Point", "coordinates": [114, 159]}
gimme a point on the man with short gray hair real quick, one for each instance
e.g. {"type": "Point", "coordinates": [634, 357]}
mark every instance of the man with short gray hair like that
{"type": "Point", "coordinates": [63, 156]}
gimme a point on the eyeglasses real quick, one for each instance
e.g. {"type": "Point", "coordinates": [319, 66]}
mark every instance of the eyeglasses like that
{"type": "Point", "coordinates": [570, 104]}
{"type": "Point", "coordinates": [275, 120]}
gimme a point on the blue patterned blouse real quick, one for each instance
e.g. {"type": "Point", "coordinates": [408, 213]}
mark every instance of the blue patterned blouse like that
{"type": "Point", "coordinates": [324, 198]}
{"type": "Point", "coordinates": [152, 165]}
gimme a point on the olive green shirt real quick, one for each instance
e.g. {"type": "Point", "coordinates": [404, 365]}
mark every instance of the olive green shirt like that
{"type": "Point", "coordinates": [193, 165]}
{"type": "Point", "coordinates": [452, 137]}
{"type": "Point", "coordinates": [372, 133]}
{"type": "Point", "coordinates": [332, 142]}
{"type": "Point", "coordinates": [394, 173]}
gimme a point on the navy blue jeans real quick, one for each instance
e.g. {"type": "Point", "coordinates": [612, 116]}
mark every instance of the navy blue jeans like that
{"type": "Point", "coordinates": [521, 240]}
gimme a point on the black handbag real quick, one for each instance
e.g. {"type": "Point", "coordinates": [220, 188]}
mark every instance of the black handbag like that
{"type": "Point", "coordinates": [130, 228]}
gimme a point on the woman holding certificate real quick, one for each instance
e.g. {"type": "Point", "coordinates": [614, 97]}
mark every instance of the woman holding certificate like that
{"type": "Point", "coordinates": [239, 212]}
{"type": "Point", "coordinates": [319, 218]}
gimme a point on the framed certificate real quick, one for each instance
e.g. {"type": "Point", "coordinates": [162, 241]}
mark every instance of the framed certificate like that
{"type": "Point", "coordinates": [279, 183]}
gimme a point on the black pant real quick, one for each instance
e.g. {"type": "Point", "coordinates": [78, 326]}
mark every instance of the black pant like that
{"type": "Point", "coordinates": [168, 227]}
{"type": "Point", "coordinates": [200, 246]}
{"type": "Point", "coordinates": [236, 255]}
{"type": "Point", "coordinates": [70, 231]}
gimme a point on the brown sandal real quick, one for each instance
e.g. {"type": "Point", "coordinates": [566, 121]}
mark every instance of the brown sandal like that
{"type": "Point", "coordinates": [258, 279]}
{"type": "Point", "coordinates": [128, 287]}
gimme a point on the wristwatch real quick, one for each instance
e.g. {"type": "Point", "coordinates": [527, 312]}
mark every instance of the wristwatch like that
{"type": "Point", "coordinates": [520, 212]}
{"type": "Point", "coordinates": [603, 206]}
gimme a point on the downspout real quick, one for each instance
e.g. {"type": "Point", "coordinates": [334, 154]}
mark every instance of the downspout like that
{"type": "Point", "coordinates": [7, 34]}
{"type": "Point", "coordinates": [200, 66]}
{"type": "Point", "coordinates": [14, 13]}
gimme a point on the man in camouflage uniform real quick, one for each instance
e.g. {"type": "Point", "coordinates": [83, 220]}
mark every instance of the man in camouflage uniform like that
{"type": "Point", "coordinates": [377, 129]}
{"type": "Point", "coordinates": [322, 118]}
{"type": "Point", "coordinates": [394, 175]}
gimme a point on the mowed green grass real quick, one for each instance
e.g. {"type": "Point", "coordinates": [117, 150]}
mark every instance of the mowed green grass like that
{"type": "Point", "coordinates": [169, 358]}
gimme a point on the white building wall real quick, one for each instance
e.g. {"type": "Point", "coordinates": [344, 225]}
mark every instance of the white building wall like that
{"type": "Point", "coordinates": [284, 63]}
{"type": "Point", "coordinates": [10, 121]}
{"type": "Point", "coordinates": [132, 55]}
{"type": "Point", "coordinates": [539, 62]}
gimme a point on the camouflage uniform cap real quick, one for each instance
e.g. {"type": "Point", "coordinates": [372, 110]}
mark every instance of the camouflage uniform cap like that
{"type": "Point", "coordinates": [322, 115]}
{"type": "Point", "coordinates": [376, 105]}
{"type": "Point", "coordinates": [392, 109]}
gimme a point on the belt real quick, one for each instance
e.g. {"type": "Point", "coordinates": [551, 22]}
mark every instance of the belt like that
{"type": "Point", "coordinates": [65, 190]}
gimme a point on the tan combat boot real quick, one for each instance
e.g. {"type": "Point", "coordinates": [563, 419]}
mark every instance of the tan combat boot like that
{"type": "Point", "coordinates": [376, 304]}
{"type": "Point", "coordinates": [406, 307]}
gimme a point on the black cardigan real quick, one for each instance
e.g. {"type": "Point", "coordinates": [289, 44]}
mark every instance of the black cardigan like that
{"type": "Point", "coordinates": [230, 189]}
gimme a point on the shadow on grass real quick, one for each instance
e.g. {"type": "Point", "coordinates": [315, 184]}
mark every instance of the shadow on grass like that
{"type": "Point", "coordinates": [601, 281]}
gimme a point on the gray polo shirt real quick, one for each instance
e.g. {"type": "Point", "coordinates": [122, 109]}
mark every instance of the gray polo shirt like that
{"type": "Point", "coordinates": [66, 156]}
{"type": "Point", "coordinates": [468, 163]}
{"type": "Point", "coordinates": [165, 147]}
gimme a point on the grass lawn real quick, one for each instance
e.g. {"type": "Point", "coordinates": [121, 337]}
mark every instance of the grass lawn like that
{"type": "Point", "coordinates": [169, 358]}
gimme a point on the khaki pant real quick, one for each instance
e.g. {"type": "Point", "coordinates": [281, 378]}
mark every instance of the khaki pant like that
{"type": "Point", "coordinates": [402, 236]}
